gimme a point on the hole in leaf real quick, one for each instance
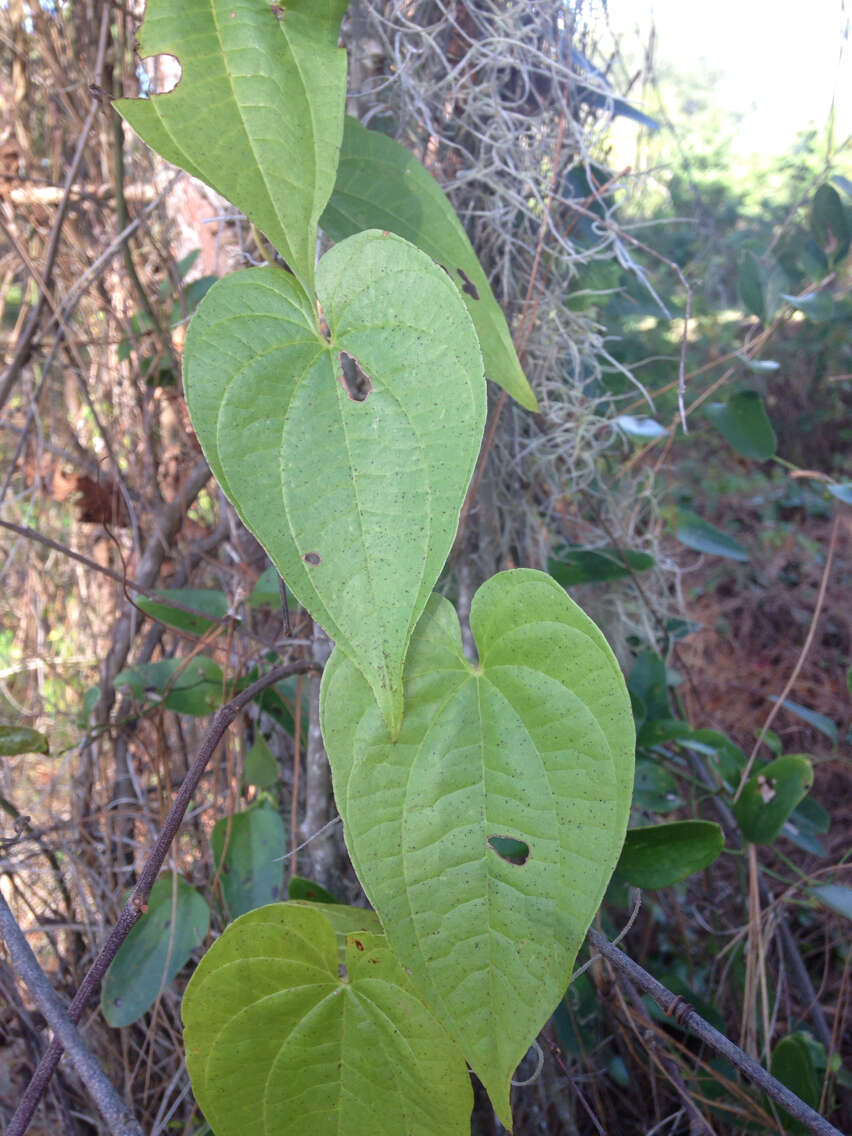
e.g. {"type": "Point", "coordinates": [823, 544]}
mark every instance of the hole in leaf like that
{"type": "Point", "coordinates": [312, 558]}
{"type": "Point", "coordinates": [159, 74]}
{"type": "Point", "coordinates": [509, 849]}
{"type": "Point", "coordinates": [766, 788]}
{"type": "Point", "coordinates": [355, 381]}
{"type": "Point", "coordinates": [468, 286]}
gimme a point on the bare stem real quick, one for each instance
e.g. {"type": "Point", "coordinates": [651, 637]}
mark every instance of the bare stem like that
{"type": "Point", "coordinates": [681, 1012]}
{"type": "Point", "coordinates": [112, 1108]}
{"type": "Point", "coordinates": [136, 903]}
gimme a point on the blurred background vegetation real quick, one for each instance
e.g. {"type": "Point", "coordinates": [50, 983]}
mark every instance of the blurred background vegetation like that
{"type": "Point", "coordinates": [682, 308]}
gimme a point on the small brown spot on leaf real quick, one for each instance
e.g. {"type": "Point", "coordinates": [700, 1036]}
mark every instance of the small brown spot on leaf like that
{"type": "Point", "coordinates": [312, 558]}
{"type": "Point", "coordinates": [277, 11]}
{"type": "Point", "coordinates": [468, 286]}
{"type": "Point", "coordinates": [354, 380]}
{"type": "Point", "coordinates": [358, 944]}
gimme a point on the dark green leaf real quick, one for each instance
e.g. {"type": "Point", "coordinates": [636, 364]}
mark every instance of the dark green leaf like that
{"type": "Point", "coordinates": [213, 604]}
{"type": "Point", "coordinates": [829, 224]}
{"type": "Point", "coordinates": [573, 566]}
{"type": "Point", "coordinates": [743, 423]}
{"type": "Point", "coordinates": [819, 721]}
{"type": "Point", "coordinates": [300, 888]}
{"type": "Point", "coordinates": [267, 590]}
{"type": "Point", "coordinates": [805, 824]}
{"type": "Point", "coordinates": [695, 532]}
{"type": "Point", "coordinates": [380, 185]}
{"type": "Point", "coordinates": [157, 947]}
{"type": "Point", "coordinates": [260, 767]}
{"type": "Point", "coordinates": [793, 1066]}
{"type": "Point", "coordinates": [842, 492]}
{"type": "Point", "coordinates": [252, 870]}
{"type": "Point", "coordinates": [835, 896]}
{"type": "Point", "coordinates": [817, 306]}
{"type": "Point", "coordinates": [751, 283]}
{"type": "Point", "coordinates": [654, 789]}
{"type": "Point", "coordinates": [726, 758]}
{"type": "Point", "coordinates": [662, 854]}
{"type": "Point", "coordinates": [193, 294]}
{"type": "Point", "coordinates": [279, 702]}
{"type": "Point", "coordinates": [649, 681]}
{"type": "Point", "coordinates": [196, 690]}
{"type": "Point", "coordinates": [770, 796]}
{"type": "Point", "coordinates": [658, 730]}
{"type": "Point", "coordinates": [21, 739]}
{"type": "Point", "coordinates": [90, 701]}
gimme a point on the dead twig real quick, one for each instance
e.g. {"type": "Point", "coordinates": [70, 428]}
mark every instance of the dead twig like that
{"type": "Point", "coordinates": [118, 1115]}
{"type": "Point", "coordinates": [680, 1011]}
{"type": "Point", "coordinates": [136, 904]}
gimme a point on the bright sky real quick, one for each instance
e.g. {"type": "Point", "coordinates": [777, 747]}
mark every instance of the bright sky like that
{"type": "Point", "coordinates": [783, 60]}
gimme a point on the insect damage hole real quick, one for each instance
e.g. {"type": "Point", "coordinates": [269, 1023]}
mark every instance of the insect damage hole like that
{"type": "Point", "coordinates": [354, 380]}
{"type": "Point", "coordinates": [509, 849]}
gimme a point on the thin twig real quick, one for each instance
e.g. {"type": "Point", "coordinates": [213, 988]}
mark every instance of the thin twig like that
{"type": "Point", "coordinates": [135, 905]}
{"type": "Point", "coordinates": [806, 646]}
{"type": "Point", "coordinates": [674, 1006]}
{"type": "Point", "coordinates": [28, 335]}
{"type": "Point", "coordinates": [112, 1108]}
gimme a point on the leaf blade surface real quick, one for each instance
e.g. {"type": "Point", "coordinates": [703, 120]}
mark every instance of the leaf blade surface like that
{"type": "Point", "coordinates": [534, 746]}
{"type": "Point", "coordinates": [258, 112]}
{"type": "Point", "coordinates": [298, 1021]}
{"type": "Point", "coordinates": [380, 185]}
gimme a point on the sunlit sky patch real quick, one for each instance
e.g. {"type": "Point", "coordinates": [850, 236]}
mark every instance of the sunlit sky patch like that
{"type": "Point", "coordinates": [780, 62]}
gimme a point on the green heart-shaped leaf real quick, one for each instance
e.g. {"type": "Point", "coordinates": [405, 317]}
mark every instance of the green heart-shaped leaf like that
{"type": "Point", "coordinates": [744, 424]}
{"type": "Point", "coordinates": [248, 848]}
{"type": "Point", "coordinates": [380, 185]}
{"type": "Point", "coordinates": [770, 795]}
{"type": "Point", "coordinates": [289, 1031]}
{"type": "Point", "coordinates": [158, 946]}
{"type": "Point", "coordinates": [258, 112]}
{"type": "Point", "coordinates": [531, 749]}
{"type": "Point", "coordinates": [356, 499]}
{"type": "Point", "coordinates": [658, 855]}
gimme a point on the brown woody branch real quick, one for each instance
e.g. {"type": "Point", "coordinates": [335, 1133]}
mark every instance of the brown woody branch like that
{"type": "Point", "coordinates": [139, 897]}
{"type": "Point", "coordinates": [674, 1006]}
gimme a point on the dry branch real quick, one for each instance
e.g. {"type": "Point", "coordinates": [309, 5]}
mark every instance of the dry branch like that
{"type": "Point", "coordinates": [135, 905]}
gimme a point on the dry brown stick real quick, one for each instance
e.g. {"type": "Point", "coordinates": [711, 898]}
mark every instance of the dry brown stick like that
{"type": "Point", "coordinates": [806, 646]}
{"type": "Point", "coordinates": [674, 1006]}
{"type": "Point", "coordinates": [112, 1108]}
{"type": "Point", "coordinates": [26, 342]}
{"type": "Point", "coordinates": [697, 1121]}
{"type": "Point", "coordinates": [135, 905]}
{"type": "Point", "coordinates": [134, 586]}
